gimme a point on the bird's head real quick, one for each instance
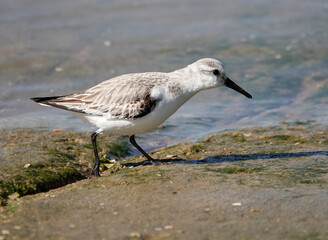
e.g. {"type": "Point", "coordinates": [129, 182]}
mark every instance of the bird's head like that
{"type": "Point", "coordinates": [209, 73]}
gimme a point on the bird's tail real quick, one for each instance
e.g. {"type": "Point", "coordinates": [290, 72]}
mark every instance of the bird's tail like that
{"type": "Point", "coordinates": [47, 101]}
{"type": "Point", "coordinates": [56, 101]}
{"type": "Point", "coordinates": [44, 100]}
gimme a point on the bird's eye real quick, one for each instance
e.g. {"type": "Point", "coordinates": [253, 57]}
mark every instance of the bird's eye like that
{"type": "Point", "coordinates": [216, 72]}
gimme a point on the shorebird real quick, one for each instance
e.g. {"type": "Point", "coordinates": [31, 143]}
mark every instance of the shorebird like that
{"type": "Point", "coordinates": [138, 102]}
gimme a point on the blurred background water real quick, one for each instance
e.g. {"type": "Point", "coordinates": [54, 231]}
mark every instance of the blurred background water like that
{"type": "Point", "coordinates": [277, 50]}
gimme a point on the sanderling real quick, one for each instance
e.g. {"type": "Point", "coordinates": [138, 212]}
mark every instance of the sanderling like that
{"type": "Point", "coordinates": [136, 103]}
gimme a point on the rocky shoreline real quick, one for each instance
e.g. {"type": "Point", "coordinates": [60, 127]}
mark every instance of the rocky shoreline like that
{"type": "Point", "coordinates": [249, 183]}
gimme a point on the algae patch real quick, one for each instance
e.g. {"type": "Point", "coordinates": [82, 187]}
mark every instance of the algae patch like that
{"type": "Point", "coordinates": [287, 155]}
{"type": "Point", "coordinates": [37, 179]}
{"type": "Point", "coordinates": [36, 161]}
{"type": "Point", "coordinates": [235, 170]}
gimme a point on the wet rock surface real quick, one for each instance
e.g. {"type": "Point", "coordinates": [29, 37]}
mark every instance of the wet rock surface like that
{"type": "Point", "coordinates": [250, 183]}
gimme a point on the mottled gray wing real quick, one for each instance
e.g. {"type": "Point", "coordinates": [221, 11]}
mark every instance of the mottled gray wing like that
{"type": "Point", "coordinates": [112, 99]}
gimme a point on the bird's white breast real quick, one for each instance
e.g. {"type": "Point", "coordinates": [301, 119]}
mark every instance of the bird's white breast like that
{"type": "Point", "coordinates": [168, 104]}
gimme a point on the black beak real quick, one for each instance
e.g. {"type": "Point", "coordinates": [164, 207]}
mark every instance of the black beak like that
{"type": "Point", "coordinates": [234, 86]}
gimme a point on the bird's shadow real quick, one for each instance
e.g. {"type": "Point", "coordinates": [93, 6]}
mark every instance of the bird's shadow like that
{"type": "Point", "coordinates": [229, 158]}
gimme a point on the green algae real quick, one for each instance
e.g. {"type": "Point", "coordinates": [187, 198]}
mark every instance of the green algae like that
{"type": "Point", "coordinates": [306, 172]}
{"type": "Point", "coordinates": [238, 137]}
{"type": "Point", "coordinates": [286, 155]}
{"type": "Point", "coordinates": [37, 178]}
{"type": "Point", "coordinates": [281, 137]}
{"type": "Point", "coordinates": [280, 173]}
{"type": "Point", "coordinates": [197, 148]}
{"type": "Point", "coordinates": [39, 160]}
{"type": "Point", "coordinates": [235, 170]}
{"type": "Point", "coordinates": [58, 171]}
{"type": "Point", "coordinates": [118, 150]}
{"type": "Point", "coordinates": [59, 155]}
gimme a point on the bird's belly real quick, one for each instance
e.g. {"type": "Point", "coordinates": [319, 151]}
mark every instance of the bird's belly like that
{"type": "Point", "coordinates": [140, 125]}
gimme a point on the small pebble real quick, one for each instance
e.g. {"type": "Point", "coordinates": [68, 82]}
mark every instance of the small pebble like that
{"type": "Point", "coordinates": [135, 235]}
{"type": "Point", "coordinates": [58, 69]}
{"type": "Point", "coordinates": [236, 204]}
{"type": "Point", "coordinates": [27, 165]}
{"type": "Point", "coordinates": [17, 227]}
{"type": "Point", "coordinates": [58, 130]}
{"type": "Point", "coordinates": [168, 227]}
{"type": "Point", "coordinates": [5, 232]}
{"type": "Point", "coordinates": [255, 210]}
{"type": "Point", "coordinates": [158, 229]}
{"type": "Point", "coordinates": [207, 209]}
{"type": "Point", "coordinates": [166, 235]}
{"type": "Point", "coordinates": [14, 196]}
{"type": "Point", "coordinates": [52, 195]}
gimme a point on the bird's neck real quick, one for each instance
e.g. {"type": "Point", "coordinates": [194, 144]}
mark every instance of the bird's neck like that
{"type": "Point", "coordinates": [189, 80]}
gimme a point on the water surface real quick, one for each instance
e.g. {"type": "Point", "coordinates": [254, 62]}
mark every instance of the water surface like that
{"type": "Point", "coordinates": [276, 50]}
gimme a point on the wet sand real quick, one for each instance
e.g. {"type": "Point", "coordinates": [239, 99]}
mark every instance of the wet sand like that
{"type": "Point", "coordinates": [250, 183]}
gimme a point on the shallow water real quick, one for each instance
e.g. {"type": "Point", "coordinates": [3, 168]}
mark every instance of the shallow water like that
{"type": "Point", "coordinates": [276, 50]}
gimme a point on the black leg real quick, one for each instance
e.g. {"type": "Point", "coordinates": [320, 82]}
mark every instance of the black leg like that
{"type": "Point", "coordinates": [95, 169]}
{"type": "Point", "coordinates": [134, 143]}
